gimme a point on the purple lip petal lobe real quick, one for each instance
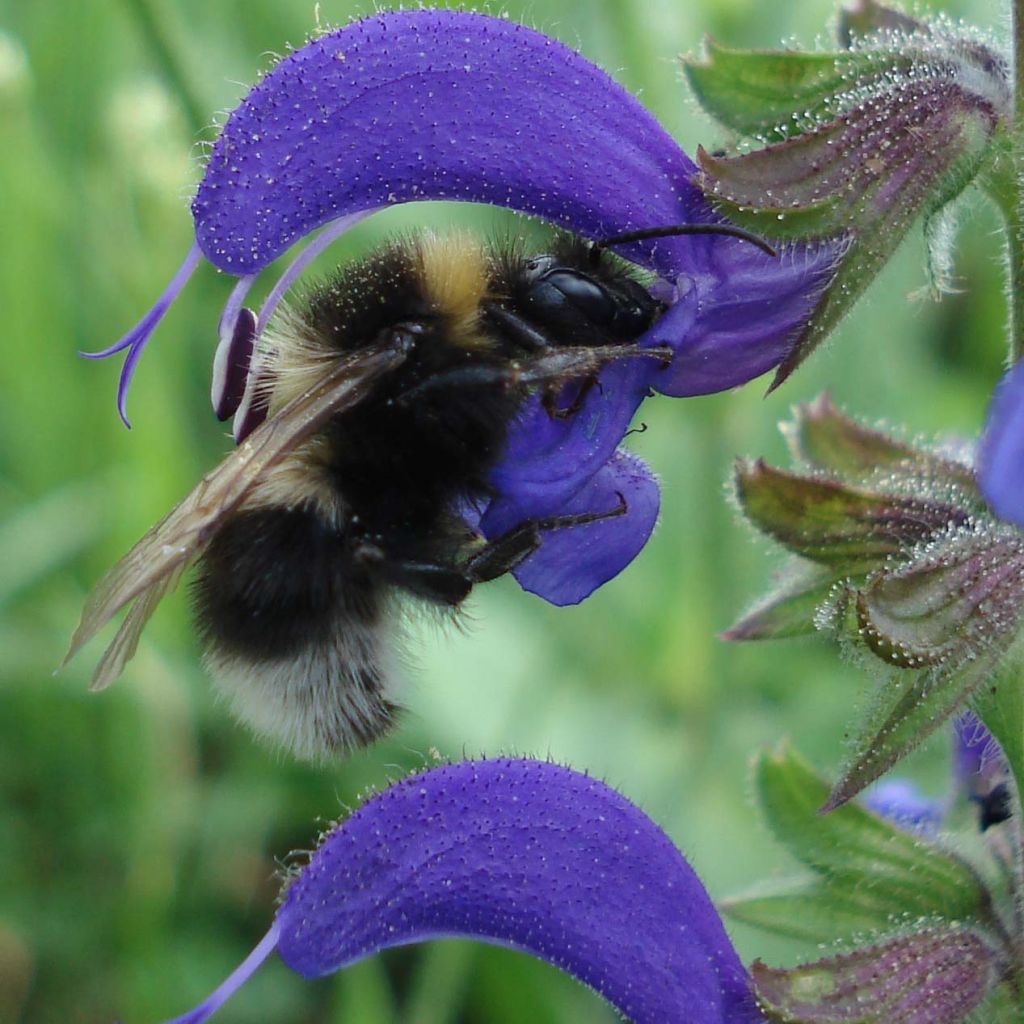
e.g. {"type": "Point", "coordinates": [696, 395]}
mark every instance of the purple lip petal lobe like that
{"type": "Point", "coordinates": [573, 561]}
{"type": "Point", "coordinates": [548, 459]}
{"type": "Point", "coordinates": [1001, 453]}
{"type": "Point", "coordinates": [529, 855]}
{"type": "Point", "coordinates": [744, 313]}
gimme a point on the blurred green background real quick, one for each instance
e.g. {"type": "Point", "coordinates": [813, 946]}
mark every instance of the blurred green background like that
{"type": "Point", "coordinates": [140, 829]}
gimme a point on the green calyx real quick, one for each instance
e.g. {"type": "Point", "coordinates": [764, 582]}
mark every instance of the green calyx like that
{"type": "Point", "coordinates": [896, 556]}
{"type": "Point", "coordinates": [856, 143]}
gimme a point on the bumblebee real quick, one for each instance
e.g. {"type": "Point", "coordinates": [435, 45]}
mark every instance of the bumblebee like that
{"type": "Point", "coordinates": [391, 388]}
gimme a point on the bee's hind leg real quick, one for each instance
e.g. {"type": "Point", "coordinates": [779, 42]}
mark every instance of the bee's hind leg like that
{"type": "Point", "coordinates": [443, 584]}
{"type": "Point", "coordinates": [513, 547]}
{"type": "Point", "coordinates": [438, 583]}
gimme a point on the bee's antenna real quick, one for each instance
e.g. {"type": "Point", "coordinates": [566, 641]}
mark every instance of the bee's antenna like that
{"type": "Point", "coordinates": [687, 229]}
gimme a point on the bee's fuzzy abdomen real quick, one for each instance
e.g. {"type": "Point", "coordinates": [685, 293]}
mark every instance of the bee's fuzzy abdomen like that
{"type": "Point", "coordinates": [274, 580]}
{"type": "Point", "coordinates": [296, 631]}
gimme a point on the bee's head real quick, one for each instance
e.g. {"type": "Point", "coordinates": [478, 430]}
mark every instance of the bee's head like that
{"type": "Point", "coordinates": [581, 291]}
{"type": "Point", "coordinates": [594, 298]}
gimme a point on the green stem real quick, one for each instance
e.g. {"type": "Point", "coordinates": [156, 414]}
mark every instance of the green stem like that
{"type": "Point", "coordinates": [1018, 61]}
{"type": "Point", "coordinates": [155, 33]}
{"type": "Point", "coordinates": [1015, 273]}
{"type": "Point", "coordinates": [1004, 185]}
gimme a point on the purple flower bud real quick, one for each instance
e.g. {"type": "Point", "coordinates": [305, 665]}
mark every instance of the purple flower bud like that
{"type": "Point", "coordinates": [524, 854]}
{"type": "Point", "coordinates": [932, 976]}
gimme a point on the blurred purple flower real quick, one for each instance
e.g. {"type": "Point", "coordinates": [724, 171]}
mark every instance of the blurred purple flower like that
{"type": "Point", "coordinates": [979, 771]}
{"type": "Point", "coordinates": [524, 854]}
{"type": "Point", "coordinates": [422, 105]}
{"type": "Point", "coordinates": [1000, 463]}
{"type": "Point", "coordinates": [905, 805]}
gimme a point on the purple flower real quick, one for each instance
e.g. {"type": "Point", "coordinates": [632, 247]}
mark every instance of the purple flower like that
{"type": "Point", "coordinates": [903, 803]}
{"type": "Point", "coordinates": [1001, 451]}
{"type": "Point", "coordinates": [419, 105]}
{"type": "Point", "coordinates": [524, 854]}
{"type": "Point", "coordinates": [980, 773]}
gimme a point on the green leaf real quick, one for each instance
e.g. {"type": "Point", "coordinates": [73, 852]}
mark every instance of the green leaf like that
{"type": "Point", "coordinates": [849, 528]}
{"type": "Point", "coordinates": [935, 975]}
{"type": "Point", "coordinates": [859, 851]}
{"type": "Point", "coordinates": [789, 612]}
{"type": "Point", "coordinates": [811, 911]}
{"type": "Point", "coordinates": [754, 92]}
{"type": "Point", "coordinates": [906, 710]}
{"type": "Point", "coordinates": [822, 436]}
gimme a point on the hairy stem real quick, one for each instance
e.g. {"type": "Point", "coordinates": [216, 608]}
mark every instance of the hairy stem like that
{"type": "Point", "coordinates": [1012, 207]}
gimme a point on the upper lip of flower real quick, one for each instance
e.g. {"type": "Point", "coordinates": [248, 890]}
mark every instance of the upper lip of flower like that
{"type": "Point", "coordinates": [526, 854]}
{"type": "Point", "coordinates": [418, 105]}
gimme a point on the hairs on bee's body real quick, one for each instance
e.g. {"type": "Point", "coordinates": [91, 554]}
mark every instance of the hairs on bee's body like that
{"type": "Point", "coordinates": [297, 594]}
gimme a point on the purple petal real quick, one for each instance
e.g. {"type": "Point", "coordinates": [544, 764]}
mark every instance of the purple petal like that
{"type": "Point", "coordinates": [573, 561]}
{"type": "Point", "coordinates": [417, 105]}
{"type": "Point", "coordinates": [975, 751]}
{"type": "Point", "coordinates": [547, 459]}
{"type": "Point", "coordinates": [903, 803]}
{"type": "Point", "coordinates": [1001, 452]}
{"type": "Point", "coordinates": [750, 308]}
{"type": "Point", "coordinates": [529, 855]}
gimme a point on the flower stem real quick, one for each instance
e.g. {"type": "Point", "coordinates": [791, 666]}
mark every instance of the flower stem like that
{"type": "Point", "coordinates": [1012, 212]}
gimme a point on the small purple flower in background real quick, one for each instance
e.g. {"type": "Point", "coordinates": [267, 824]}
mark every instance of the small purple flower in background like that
{"type": "Point", "coordinates": [1001, 451]}
{"type": "Point", "coordinates": [428, 105]}
{"type": "Point", "coordinates": [902, 802]}
{"type": "Point", "coordinates": [524, 854]}
{"type": "Point", "coordinates": [979, 773]}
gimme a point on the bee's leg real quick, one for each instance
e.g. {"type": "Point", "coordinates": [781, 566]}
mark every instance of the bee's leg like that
{"type": "Point", "coordinates": [549, 399]}
{"type": "Point", "coordinates": [515, 328]}
{"type": "Point", "coordinates": [438, 583]}
{"type": "Point", "coordinates": [514, 546]}
{"type": "Point", "coordinates": [435, 582]}
{"type": "Point", "coordinates": [553, 366]}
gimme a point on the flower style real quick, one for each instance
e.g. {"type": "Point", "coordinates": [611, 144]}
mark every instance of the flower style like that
{"type": "Point", "coordinates": [418, 105]}
{"type": "Point", "coordinates": [524, 854]}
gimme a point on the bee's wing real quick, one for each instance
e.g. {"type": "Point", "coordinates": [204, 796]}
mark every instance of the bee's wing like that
{"type": "Point", "coordinates": [154, 564]}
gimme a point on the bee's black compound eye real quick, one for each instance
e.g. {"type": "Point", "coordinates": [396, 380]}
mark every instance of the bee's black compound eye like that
{"type": "Point", "coordinates": [560, 287]}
